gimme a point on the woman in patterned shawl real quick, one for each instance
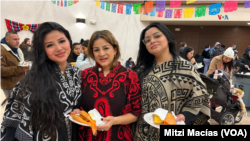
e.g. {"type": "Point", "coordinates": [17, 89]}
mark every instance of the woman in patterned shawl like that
{"type": "Point", "coordinates": [167, 80]}
{"type": "Point", "coordinates": [51, 89]}
{"type": "Point", "coordinates": [113, 90]}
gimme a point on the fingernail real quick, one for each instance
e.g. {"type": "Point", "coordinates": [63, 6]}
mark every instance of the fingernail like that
{"type": "Point", "coordinates": [101, 119]}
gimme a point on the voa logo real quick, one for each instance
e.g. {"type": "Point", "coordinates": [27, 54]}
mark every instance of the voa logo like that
{"type": "Point", "coordinates": [223, 17]}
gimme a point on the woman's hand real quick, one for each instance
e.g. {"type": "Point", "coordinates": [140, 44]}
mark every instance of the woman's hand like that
{"type": "Point", "coordinates": [192, 61]}
{"type": "Point", "coordinates": [246, 66]}
{"type": "Point", "coordinates": [110, 120]}
{"type": "Point", "coordinates": [180, 117]}
{"type": "Point", "coordinates": [75, 111]}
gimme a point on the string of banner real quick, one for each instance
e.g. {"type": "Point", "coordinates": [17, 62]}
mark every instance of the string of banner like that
{"type": "Point", "coordinates": [214, 9]}
{"type": "Point", "coordinates": [64, 3]}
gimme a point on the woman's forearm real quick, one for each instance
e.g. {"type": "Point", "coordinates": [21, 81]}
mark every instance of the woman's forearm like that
{"type": "Point", "coordinates": [125, 119]}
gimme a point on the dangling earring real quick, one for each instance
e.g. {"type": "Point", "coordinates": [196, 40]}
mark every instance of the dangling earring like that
{"type": "Point", "coordinates": [115, 55]}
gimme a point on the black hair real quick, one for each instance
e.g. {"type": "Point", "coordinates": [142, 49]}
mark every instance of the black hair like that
{"type": "Point", "coordinates": [145, 60]}
{"type": "Point", "coordinates": [182, 44]}
{"type": "Point", "coordinates": [73, 46]}
{"type": "Point", "coordinates": [41, 83]}
{"type": "Point", "coordinates": [185, 52]}
{"type": "Point", "coordinates": [223, 46]}
{"type": "Point", "coordinates": [129, 58]}
{"type": "Point", "coordinates": [10, 32]}
{"type": "Point", "coordinates": [85, 43]}
{"type": "Point", "coordinates": [207, 46]}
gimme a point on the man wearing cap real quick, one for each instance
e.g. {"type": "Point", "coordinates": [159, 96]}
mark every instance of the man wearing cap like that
{"type": "Point", "coordinates": [222, 62]}
{"type": "Point", "coordinates": [244, 61]}
{"type": "Point", "coordinates": [11, 55]}
{"type": "Point", "coordinates": [216, 50]}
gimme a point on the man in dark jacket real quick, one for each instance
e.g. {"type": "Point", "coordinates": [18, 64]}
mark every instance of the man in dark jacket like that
{"type": "Point", "coordinates": [11, 55]}
{"type": "Point", "coordinates": [129, 63]}
{"type": "Point", "coordinates": [216, 50]}
{"type": "Point", "coordinates": [244, 61]}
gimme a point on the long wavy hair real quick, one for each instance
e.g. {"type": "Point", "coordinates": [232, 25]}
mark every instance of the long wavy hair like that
{"type": "Point", "coordinates": [41, 83]}
{"type": "Point", "coordinates": [145, 60]}
{"type": "Point", "coordinates": [24, 44]}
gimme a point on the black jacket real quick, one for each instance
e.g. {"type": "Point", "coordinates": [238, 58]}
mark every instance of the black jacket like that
{"type": "Point", "coordinates": [244, 60]}
{"type": "Point", "coordinates": [206, 54]}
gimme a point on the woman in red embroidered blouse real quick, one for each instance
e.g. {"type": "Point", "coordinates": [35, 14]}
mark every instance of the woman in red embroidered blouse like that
{"type": "Point", "coordinates": [111, 89]}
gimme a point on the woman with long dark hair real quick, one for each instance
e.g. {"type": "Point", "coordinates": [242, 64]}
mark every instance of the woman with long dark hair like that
{"type": "Point", "coordinates": [51, 89]}
{"type": "Point", "coordinates": [75, 52]}
{"type": "Point", "coordinates": [25, 46]}
{"type": "Point", "coordinates": [167, 81]}
{"type": "Point", "coordinates": [188, 54]}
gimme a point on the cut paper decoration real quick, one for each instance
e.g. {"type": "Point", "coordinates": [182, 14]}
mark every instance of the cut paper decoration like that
{"type": "Point", "coordinates": [15, 26]}
{"type": "Point", "coordinates": [160, 5]}
{"type": "Point", "coordinates": [177, 13]}
{"type": "Point", "coordinates": [98, 3]}
{"type": "Point", "coordinates": [137, 8]}
{"type": "Point", "coordinates": [214, 9]}
{"type": "Point", "coordinates": [141, 9]}
{"type": "Point", "coordinates": [174, 3]}
{"type": "Point", "coordinates": [168, 13]}
{"type": "Point", "coordinates": [190, 1]}
{"type": "Point", "coordinates": [120, 8]}
{"type": "Point", "coordinates": [160, 14]}
{"type": "Point", "coordinates": [25, 27]}
{"type": "Point", "coordinates": [113, 8]}
{"type": "Point", "coordinates": [107, 6]}
{"type": "Point", "coordinates": [102, 4]}
{"type": "Point", "coordinates": [148, 7]}
{"type": "Point", "coordinates": [153, 12]}
{"type": "Point", "coordinates": [128, 9]}
{"type": "Point", "coordinates": [65, 3]}
{"type": "Point", "coordinates": [70, 2]}
{"type": "Point", "coordinates": [75, 1]}
{"type": "Point", "coordinates": [247, 4]}
{"type": "Point", "coordinates": [200, 11]}
{"type": "Point", "coordinates": [230, 6]}
{"type": "Point", "coordinates": [188, 12]}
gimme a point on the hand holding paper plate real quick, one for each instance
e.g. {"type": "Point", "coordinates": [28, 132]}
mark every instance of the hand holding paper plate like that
{"type": "Point", "coordinates": [158, 117]}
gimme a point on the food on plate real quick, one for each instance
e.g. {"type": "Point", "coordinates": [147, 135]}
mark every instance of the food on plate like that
{"type": "Point", "coordinates": [85, 118]}
{"type": "Point", "coordinates": [170, 119]}
{"type": "Point", "coordinates": [157, 119]}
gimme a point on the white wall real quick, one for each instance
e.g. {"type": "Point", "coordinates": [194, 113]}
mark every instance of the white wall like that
{"type": "Point", "coordinates": [126, 28]}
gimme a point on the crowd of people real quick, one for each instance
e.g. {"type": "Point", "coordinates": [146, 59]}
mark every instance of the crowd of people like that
{"type": "Point", "coordinates": [67, 77]}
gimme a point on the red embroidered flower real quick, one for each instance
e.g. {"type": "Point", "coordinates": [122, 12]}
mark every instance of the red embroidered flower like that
{"type": "Point", "coordinates": [133, 76]}
{"type": "Point", "coordinates": [84, 74]}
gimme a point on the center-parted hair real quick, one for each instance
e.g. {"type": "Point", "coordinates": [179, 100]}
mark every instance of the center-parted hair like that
{"type": "Point", "coordinates": [145, 60]}
{"type": "Point", "coordinates": [109, 37]}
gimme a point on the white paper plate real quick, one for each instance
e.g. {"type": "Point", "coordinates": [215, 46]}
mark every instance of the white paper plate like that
{"type": "Point", "coordinates": [148, 118]}
{"type": "Point", "coordinates": [70, 118]}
